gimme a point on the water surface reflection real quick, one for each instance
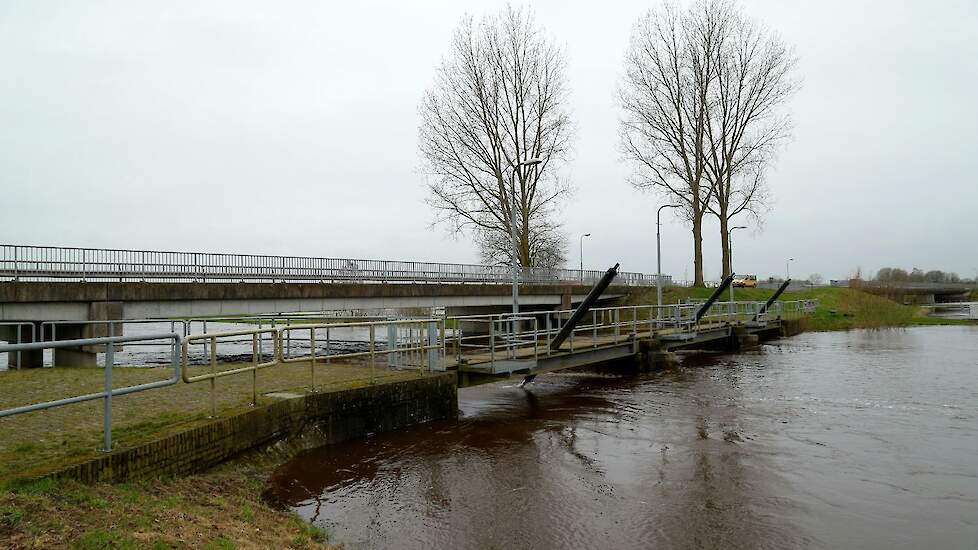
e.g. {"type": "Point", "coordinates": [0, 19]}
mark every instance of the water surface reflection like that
{"type": "Point", "coordinates": [860, 439]}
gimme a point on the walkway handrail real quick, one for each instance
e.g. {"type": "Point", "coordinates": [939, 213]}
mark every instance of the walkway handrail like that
{"type": "Point", "coordinates": [23, 263]}
{"type": "Point", "coordinates": [108, 392]}
{"type": "Point", "coordinates": [214, 374]}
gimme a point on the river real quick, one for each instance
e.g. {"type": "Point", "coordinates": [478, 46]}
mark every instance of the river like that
{"type": "Point", "coordinates": [860, 439]}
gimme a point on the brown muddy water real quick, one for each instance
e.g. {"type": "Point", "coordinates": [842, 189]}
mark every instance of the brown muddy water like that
{"type": "Point", "coordinates": [861, 439]}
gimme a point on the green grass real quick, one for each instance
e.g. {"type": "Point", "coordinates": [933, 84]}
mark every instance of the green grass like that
{"type": "Point", "coordinates": [102, 539]}
{"type": "Point", "coordinates": [219, 510]}
{"type": "Point", "coordinates": [838, 308]}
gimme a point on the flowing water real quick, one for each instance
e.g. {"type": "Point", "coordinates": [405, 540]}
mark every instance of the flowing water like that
{"type": "Point", "coordinates": [861, 439]}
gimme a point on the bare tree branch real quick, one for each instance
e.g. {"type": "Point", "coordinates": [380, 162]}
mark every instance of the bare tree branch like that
{"type": "Point", "coordinates": [497, 101]}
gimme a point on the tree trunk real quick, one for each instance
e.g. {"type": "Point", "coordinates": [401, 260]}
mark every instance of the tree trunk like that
{"type": "Point", "coordinates": [725, 243]}
{"type": "Point", "coordinates": [698, 249]}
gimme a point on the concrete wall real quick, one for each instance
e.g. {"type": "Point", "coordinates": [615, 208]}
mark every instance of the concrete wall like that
{"type": "Point", "coordinates": [339, 416]}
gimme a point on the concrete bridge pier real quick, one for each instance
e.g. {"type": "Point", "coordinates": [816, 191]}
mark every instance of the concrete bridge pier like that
{"type": "Point", "coordinates": [87, 356]}
{"type": "Point", "coordinates": [652, 356]}
{"type": "Point", "coordinates": [741, 338]}
{"type": "Point", "coordinates": [28, 359]}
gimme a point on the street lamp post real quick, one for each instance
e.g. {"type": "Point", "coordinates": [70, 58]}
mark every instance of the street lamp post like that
{"type": "Point", "coordinates": [658, 258]}
{"type": "Point", "coordinates": [787, 269]}
{"type": "Point", "coordinates": [730, 258]}
{"type": "Point", "coordinates": [582, 254]}
{"type": "Point", "coordinates": [512, 229]}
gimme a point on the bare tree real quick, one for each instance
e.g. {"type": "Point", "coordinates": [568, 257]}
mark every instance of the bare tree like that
{"type": "Point", "coordinates": [547, 247]}
{"type": "Point", "coordinates": [701, 98]}
{"type": "Point", "coordinates": [752, 81]}
{"type": "Point", "coordinates": [664, 97]}
{"type": "Point", "coordinates": [498, 101]}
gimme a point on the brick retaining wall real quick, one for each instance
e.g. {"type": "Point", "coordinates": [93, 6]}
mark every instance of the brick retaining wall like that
{"type": "Point", "coordinates": [339, 416]}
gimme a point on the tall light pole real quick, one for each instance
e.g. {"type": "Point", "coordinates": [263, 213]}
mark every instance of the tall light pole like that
{"type": "Point", "coordinates": [787, 269]}
{"type": "Point", "coordinates": [658, 257]}
{"type": "Point", "coordinates": [582, 253]}
{"type": "Point", "coordinates": [512, 229]}
{"type": "Point", "coordinates": [730, 257]}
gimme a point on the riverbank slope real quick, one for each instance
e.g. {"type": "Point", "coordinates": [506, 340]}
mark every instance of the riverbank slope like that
{"type": "Point", "coordinates": [219, 510]}
{"type": "Point", "coordinates": [838, 308]}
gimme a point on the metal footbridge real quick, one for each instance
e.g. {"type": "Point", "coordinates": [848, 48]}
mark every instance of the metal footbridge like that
{"type": "Point", "coordinates": [487, 348]}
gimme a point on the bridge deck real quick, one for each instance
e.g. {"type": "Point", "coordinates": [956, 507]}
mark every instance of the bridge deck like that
{"type": "Point", "coordinates": [590, 348]}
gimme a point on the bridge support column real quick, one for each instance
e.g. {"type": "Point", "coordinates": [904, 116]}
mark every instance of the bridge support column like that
{"type": "Point", "coordinates": [87, 356]}
{"type": "Point", "coordinates": [28, 359]}
{"type": "Point", "coordinates": [652, 357]}
{"type": "Point", "coordinates": [741, 338]}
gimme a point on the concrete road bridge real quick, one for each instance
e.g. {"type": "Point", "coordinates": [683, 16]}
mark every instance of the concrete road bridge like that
{"type": "Point", "coordinates": [966, 310]}
{"type": "Point", "coordinates": [920, 293]}
{"type": "Point", "coordinates": [92, 286]}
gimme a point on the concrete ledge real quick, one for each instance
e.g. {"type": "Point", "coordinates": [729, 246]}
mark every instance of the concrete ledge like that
{"type": "Point", "coordinates": [29, 292]}
{"type": "Point", "coordinates": [339, 416]}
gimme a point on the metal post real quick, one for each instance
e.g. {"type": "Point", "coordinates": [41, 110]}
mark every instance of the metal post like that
{"type": "Point", "coordinates": [254, 372]}
{"type": "Point", "coordinates": [536, 352]}
{"type": "Point", "coordinates": [547, 322]}
{"type": "Point", "coordinates": [634, 322]}
{"type": "Point", "coordinates": [730, 258]}
{"type": "Point", "coordinates": [312, 359]}
{"type": "Point", "coordinates": [516, 253]}
{"type": "Point", "coordinates": [107, 402]}
{"type": "Point", "coordinates": [432, 346]}
{"type": "Point", "coordinates": [260, 350]}
{"type": "Point", "coordinates": [616, 319]}
{"type": "Point", "coordinates": [373, 374]}
{"type": "Point", "coordinates": [20, 342]}
{"type": "Point", "coordinates": [213, 380]}
{"type": "Point", "coordinates": [582, 254]}
{"type": "Point", "coordinates": [492, 341]}
{"type": "Point", "coordinates": [392, 354]}
{"type": "Point", "coordinates": [658, 255]}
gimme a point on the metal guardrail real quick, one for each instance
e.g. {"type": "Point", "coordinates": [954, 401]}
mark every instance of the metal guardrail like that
{"type": "Point", "coordinates": [424, 336]}
{"type": "Point", "coordinates": [47, 263]}
{"type": "Point", "coordinates": [504, 340]}
{"type": "Point", "coordinates": [404, 338]}
{"type": "Point", "coordinates": [212, 339]}
{"type": "Point", "coordinates": [19, 334]}
{"type": "Point", "coordinates": [109, 391]}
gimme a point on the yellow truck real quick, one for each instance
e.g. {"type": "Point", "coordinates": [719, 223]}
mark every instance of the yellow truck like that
{"type": "Point", "coordinates": [747, 281]}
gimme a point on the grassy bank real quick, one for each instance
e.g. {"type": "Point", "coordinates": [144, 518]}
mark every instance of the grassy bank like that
{"type": "Point", "coordinates": [838, 308]}
{"type": "Point", "coordinates": [222, 510]}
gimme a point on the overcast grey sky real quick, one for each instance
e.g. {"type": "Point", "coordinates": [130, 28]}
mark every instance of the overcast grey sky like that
{"type": "Point", "coordinates": [290, 128]}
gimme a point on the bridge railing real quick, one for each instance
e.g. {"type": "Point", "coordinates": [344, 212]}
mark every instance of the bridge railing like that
{"type": "Point", "coordinates": [47, 263]}
{"type": "Point", "coordinates": [497, 337]}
